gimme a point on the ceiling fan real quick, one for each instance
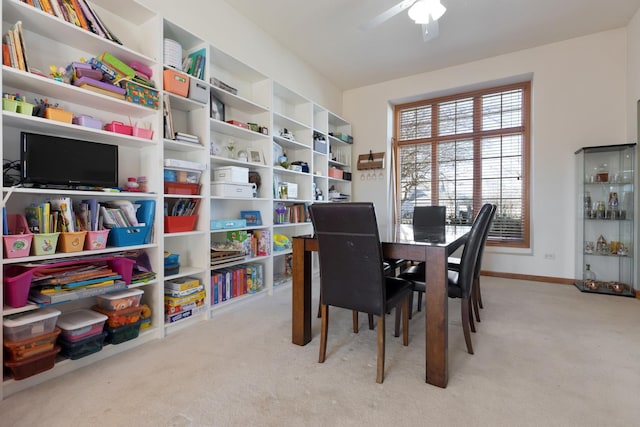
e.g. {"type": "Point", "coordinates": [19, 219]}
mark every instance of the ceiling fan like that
{"type": "Point", "coordinates": [424, 12]}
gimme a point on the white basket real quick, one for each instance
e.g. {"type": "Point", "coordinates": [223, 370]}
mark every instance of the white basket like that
{"type": "Point", "coordinates": [173, 54]}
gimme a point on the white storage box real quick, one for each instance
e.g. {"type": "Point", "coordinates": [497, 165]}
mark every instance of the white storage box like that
{"type": "Point", "coordinates": [82, 323]}
{"type": "Point", "coordinates": [120, 300]}
{"type": "Point", "coordinates": [184, 164]}
{"type": "Point", "coordinates": [228, 189]}
{"type": "Point", "coordinates": [198, 90]}
{"type": "Point", "coordinates": [24, 326]}
{"type": "Point", "coordinates": [231, 174]}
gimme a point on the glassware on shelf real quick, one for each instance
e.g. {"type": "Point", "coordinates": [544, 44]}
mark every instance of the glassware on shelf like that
{"type": "Point", "coordinates": [602, 173]}
{"type": "Point", "coordinates": [602, 247]}
{"type": "Point", "coordinates": [589, 247]}
{"type": "Point", "coordinates": [589, 278]}
{"type": "Point", "coordinates": [587, 204]}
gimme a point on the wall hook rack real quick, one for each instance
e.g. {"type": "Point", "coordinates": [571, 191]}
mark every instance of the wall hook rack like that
{"type": "Point", "coordinates": [370, 161]}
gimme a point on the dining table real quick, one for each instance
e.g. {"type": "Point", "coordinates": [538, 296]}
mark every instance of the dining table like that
{"type": "Point", "coordinates": [403, 245]}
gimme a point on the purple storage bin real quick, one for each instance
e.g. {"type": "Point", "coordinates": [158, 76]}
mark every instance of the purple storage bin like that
{"type": "Point", "coordinates": [87, 121]}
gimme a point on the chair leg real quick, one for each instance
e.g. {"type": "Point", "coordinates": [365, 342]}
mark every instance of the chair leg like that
{"type": "Point", "coordinates": [396, 329]}
{"type": "Point", "coordinates": [355, 321]}
{"type": "Point", "coordinates": [411, 305]}
{"type": "Point", "coordinates": [474, 299]}
{"type": "Point", "coordinates": [381, 347]}
{"type": "Point", "coordinates": [324, 326]}
{"type": "Point", "coordinates": [320, 304]}
{"type": "Point", "coordinates": [472, 324]}
{"type": "Point", "coordinates": [477, 285]}
{"type": "Point", "coordinates": [419, 301]}
{"type": "Point", "coordinates": [464, 306]}
{"type": "Point", "coordinates": [405, 319]}
{"type": "Point", "coordinates": [371, 322]}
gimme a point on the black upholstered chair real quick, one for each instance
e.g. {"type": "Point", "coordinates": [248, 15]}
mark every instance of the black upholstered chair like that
{"type": "Point", "coordinates": [460, 283]}
{"type": "Point", "coordinates": [454, 264]}
{"type": "Point", "coordinates": [351, 270]}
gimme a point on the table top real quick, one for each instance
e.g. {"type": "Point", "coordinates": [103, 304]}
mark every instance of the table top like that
{"type": "Point", "coordinates": [405, 233]}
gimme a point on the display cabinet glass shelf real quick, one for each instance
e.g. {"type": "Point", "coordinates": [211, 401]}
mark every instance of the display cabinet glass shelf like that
{"type": "Point", "coordinates": [605, 233]}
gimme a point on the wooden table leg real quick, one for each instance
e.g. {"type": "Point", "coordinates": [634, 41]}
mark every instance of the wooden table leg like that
{"type": "Point", "coordinates": [436, 316]}
{"type": "Point", "coordinates": [301, 294]}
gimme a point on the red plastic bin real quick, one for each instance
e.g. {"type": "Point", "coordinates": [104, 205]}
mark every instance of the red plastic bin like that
{"type": "Point", "coordinates": [33, 365]}
{"type": "Point", "coordinates": [176, 224]}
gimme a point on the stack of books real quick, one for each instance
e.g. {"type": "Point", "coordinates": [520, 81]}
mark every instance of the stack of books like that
{"type": "Point", "coordinates": [77, 12]}
{"type": "Point", "coordinates": [183, 298]}
{"type": "Point", "coordinates": [55, 285]}
{"type": "Point", "coordinates": [186, 137]}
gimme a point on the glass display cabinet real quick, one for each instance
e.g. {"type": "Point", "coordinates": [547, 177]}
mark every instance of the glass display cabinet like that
{"type": "Point", "coordinates": [605, 219]}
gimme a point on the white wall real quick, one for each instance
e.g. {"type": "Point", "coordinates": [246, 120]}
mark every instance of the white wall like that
{"type": "Point", "coordinates": [219, 24]}
{"type": "Point", "coordinates": [579, 99]}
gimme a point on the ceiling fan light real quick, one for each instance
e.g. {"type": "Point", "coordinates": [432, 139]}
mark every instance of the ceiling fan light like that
{"type": "Point", "coordinates": [419, 12]}
{"type": "Point", "coordinates": [437, 9]}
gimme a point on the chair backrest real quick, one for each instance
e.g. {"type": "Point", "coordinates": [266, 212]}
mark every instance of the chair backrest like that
{"type": "Point", "coordinates": [471, 249]}
{"type": "Point", "coordinates": [350, 255]}
{"type": "Point", "coordinates": [429, 223]}
{"type": "Point", "coordinates": [492, 215]}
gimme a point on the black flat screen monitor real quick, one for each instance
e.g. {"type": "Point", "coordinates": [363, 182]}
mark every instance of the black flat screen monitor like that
{"type": "Point", "coordinates": [57, 161]}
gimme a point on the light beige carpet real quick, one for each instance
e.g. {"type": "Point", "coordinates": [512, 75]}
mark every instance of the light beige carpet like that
{"type": "Point", "coordinates": [546, 355]}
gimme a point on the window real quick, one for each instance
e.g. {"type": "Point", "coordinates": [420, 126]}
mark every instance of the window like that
{"type": "Point", "coordinates": [463, 151]}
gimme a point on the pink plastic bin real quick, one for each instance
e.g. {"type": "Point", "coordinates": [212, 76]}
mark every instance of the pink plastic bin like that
{"type": "Point", "coordinates": [17, 279]}
{"type": "Point", "coordinates": [18, 243]}
{"type": "Point", "coordinates": [96, 240]}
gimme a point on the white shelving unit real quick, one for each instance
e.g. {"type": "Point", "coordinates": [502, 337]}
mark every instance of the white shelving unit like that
{"type": "Point", "coordinates": [49, 40]}
{"type": "Point", "coordinates": [188, 116]}
{"type": "Point", "coordinates": [255, 99]}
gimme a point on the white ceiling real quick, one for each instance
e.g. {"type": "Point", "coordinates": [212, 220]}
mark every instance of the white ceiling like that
{"type": "Point", "coordinates": [326, 33]}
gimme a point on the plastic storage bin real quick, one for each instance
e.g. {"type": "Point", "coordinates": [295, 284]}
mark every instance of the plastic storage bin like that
{"type": "Point", "coordinates": [23, 326]}
{"type": "Point", "coordinates": [119, 127]}
{"type": "Point", "coordinates": [9, 104]}
{"type": "Point", "coordinates": [16, 351]}
{"type": "Point", "coordinates": [81, 348]}
{"type": "Point", "coordinates": [87, 121]}
{"type": "Point", "coordinates": [177, 224]}
{"type": "Point", "coordinates": [72, 241]}
{"type": "Point", "coordinates": [25, 108]}
{"type": "Point", "coordinates": [123, 333]}
{"type": "Point", "coordinates": [118, 318]}
{"type": "Point", "coordinates": [137, 235]}
{"type": "Point", "coordinates": [80, 324]}
{"type": "Point", "coordinates": [58, 115]}
{"type": "Point", "coordinates": [44, 243]}
{"type": "Point", "coordinates": [33, 365]}
{"type": "Point", "coordinates": [96, 240]}
{"type": "Point", "coordinates": [175, 82]}
{"type": "Point", "coordinates": [142, 132]}
{"type": "Point", "coordinates": [171, 264]}
{"type": "Point", "coordinates": [18, 242]}
{"type": "Point", "coordinates": [120, 300]}
{"type": "Point", "coordinates": [181, 188]}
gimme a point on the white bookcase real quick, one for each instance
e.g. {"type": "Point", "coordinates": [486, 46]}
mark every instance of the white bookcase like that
{"type": "Point", "coordinates": [255, 98]}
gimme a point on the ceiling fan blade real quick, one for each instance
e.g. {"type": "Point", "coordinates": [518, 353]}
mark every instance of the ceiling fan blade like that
{"type": "Point", "coordinates": [430, 31]}
{"type": "Point", "coordinates": [387, 14]}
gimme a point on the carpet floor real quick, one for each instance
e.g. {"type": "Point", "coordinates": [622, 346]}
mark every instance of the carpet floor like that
{"type": "Point", "coordinates": [545, 355]}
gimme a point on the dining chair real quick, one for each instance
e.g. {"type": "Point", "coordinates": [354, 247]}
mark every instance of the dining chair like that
{"type": "Point", "coordinates": [454, 264]}
{"type": "Point", "coordinates": [460, 282]}
{"type": "Point", "coordinates": [352, 273]}
{"type": "Point", "coordinates": [428, 225]}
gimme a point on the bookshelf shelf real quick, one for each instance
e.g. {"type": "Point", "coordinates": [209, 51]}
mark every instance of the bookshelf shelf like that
{"type": "Point", "coordinates": [259, 100]}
